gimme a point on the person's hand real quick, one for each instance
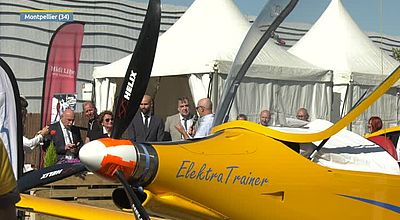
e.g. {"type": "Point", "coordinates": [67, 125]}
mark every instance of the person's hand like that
{"type": "Point", "coordinates": [70, 147]}
{"type": "Point", "coordinates": [180, 128]}
{"type": "Point", "coordinates": [45, 131]}
{"type": "Point", "coordinates": [192, 131]}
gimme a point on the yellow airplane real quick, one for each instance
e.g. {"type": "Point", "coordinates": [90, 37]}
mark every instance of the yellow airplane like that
{"type": "Point", "coordinates": [242, 171]}
{"type": "Point", "coordinates": [245, 170]}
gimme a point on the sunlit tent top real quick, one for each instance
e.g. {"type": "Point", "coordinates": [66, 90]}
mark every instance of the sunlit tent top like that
{"type": "Point", "coordinates": [203, 35]}
{"type": "Point", "coordinates": [336, 42]}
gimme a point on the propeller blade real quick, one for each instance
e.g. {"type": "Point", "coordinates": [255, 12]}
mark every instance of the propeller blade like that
{"type": "Point", "coordinates": [138, 73]}
{"type": "Point", "coordinates": [274, 12]}
{"type": "Point", "coordinates": [48, 175]}
{"type": "Point", "coordinates": [138, 210]}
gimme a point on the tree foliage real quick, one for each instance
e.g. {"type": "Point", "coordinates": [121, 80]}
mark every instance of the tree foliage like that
{"type": "Point", "coordinates": [51, 155]}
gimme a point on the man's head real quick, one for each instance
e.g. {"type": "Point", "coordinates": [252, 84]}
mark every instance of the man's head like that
{"type": "Point", "coordinates": [302, 114]}
{"type": "Point", "coordinates": [241, 117]}
{"type": "Point", "coordinates": [265, 117]}
{"type": "Point", "coordinates": [146, 104]}
{"type": "Point", "coordinates": [90, 110]}
{"type": "Point", "coordinates": [68, 118]}
{"type": "Point", "coordinates": [183, 107]}
{"type": "Point", "coordinates": [204, 107]}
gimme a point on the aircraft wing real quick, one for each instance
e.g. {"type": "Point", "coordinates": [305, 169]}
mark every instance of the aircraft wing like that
{"type": "Point", "coordinates": [65, 209]}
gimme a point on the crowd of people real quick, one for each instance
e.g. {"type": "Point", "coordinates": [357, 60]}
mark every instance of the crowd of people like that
{"type": "Point", "coordinates": [148, 127]}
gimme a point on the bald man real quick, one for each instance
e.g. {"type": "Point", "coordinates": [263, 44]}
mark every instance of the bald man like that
{"type": "Point", "coordinates": [204, 108]}
{"type": "Point", "coordinates": [145, 126]}
{"type": "Point", "coordinates": [66, 137]}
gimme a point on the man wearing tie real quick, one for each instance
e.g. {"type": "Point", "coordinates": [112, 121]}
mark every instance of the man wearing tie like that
{"type": "Point", "coordinates": [146, 127]}
{"type": "Point", "coordinates": [65, 136]}
{"type": "Point", "coordinates": [179, 123]}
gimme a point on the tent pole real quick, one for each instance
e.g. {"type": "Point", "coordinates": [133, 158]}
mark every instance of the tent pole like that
{"type": "Point", "coordinates": [213, 86]}
{"type": "Point", "coordinates": [108, 93]}
{"type": "Point", "coordinates": [350, 99]}
{"type": "Point", "coordinates": [344, 101]}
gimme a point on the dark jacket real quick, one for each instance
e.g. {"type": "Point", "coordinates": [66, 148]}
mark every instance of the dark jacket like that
{"type": "Point", "coordinates": [137, 131]}
{"type": "Point", "coordinates": [58, 138]}
{"type": "Point", "coordinates": [95, 130]}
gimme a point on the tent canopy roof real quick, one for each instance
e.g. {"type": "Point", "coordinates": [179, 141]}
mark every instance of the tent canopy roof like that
{"type": "Point", "coordinates": [336, 42]}
{"type": "Point", "coordinates": [204, 35]}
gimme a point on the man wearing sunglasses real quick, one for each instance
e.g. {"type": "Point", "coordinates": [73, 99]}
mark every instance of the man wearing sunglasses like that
{"type": "Point", "coordinates": [204, 108]}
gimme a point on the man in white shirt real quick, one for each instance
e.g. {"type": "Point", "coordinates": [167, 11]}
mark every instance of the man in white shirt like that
{"type": "Point", "coordinates": [33, 142]}
{"type": "Point", "coordinates": [204, 108]}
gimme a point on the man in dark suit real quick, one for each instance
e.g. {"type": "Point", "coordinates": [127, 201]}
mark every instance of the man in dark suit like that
{"type": "Point", "coordinates": [66, 137]}
{"type": "Point", "coordinates": [145, 126]}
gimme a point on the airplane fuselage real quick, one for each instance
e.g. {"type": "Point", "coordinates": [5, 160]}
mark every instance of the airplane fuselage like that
{"type": "Point", "coordinates": [243, 174]}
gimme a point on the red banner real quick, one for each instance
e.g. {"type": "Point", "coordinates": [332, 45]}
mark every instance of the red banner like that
{"type": "Point", "coordinates": [62, 65]}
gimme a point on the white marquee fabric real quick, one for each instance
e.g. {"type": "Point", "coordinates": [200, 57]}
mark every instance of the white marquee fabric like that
{"type": "Point", "coordinates": [346, 150]}
{"type": "Point", "coordinates": [336, 42]}
{"type": "Point", "coordinates": [208, 35]}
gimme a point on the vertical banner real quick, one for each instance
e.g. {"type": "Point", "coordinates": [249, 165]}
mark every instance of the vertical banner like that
{"type": "Point", "coordinates": [61, 66]}
{"type": "Point", "coordinates": [11, 130]}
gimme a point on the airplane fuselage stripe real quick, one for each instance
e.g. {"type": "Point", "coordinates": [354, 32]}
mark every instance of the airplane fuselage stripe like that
{"type": "Point", "coordinates": [377, 203]}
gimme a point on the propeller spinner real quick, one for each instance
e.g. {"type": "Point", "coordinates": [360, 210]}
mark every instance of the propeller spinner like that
{"type": "Point", "coordinates": [105, 156]}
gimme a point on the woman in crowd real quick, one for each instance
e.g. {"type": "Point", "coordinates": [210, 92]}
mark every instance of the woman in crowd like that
{"type": "Point", "coordinates": [106, 123]}
{"type": "Point", "coordinates": [374, 125]}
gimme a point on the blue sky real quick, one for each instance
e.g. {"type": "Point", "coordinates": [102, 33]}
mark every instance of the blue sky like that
{"type": "Point", "coordinates": [379, 16]}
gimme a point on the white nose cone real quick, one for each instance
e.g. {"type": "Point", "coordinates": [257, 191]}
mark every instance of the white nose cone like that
{"type": "Point", "coordinates": [92, 154]}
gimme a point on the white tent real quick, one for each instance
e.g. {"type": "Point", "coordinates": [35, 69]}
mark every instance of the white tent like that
{"type": "Point", "coordinates": [336, 42]}
{"type": "Point", "coordinates": [203, 42]}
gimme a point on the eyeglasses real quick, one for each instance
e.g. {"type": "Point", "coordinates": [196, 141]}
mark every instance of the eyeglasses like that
{"type": "Point", "coordinates": [300, 116]}
{"type": "Point", "coordinates": [108, 119]}
{"type": "Point", "coordinates": [199, 107]}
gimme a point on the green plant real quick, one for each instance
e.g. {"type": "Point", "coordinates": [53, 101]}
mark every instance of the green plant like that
{"type": "Point", "coordinates": [51, 155]}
